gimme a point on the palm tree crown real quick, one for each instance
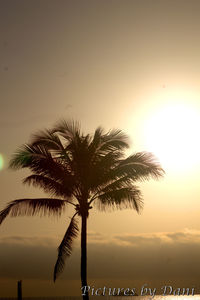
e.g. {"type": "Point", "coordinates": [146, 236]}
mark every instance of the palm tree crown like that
{"type": "Point", "coordinates": [80, 170]}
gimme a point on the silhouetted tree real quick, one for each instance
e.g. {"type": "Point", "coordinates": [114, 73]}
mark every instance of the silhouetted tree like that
{"type": "Point", "coordinates": [80, 170]}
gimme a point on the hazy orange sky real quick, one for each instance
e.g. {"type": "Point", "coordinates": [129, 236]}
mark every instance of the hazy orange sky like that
{"type": "Point", "coordinates": [133, 65]}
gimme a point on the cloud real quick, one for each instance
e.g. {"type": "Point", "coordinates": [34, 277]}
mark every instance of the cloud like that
{"type": "Point", "coordinates": [96, 237]}
{"type": "Point", "coordinates": [26, 257]}
{"type": "Point", "coordinates": [185, 236]}
{"type": "Point", "coordinates": [25, 241]}
{"type": "Point", "coordinates": [155, 256]}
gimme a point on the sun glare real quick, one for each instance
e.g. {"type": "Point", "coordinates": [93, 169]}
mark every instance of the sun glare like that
{"type": "Point", "coordinates": [172, 134]}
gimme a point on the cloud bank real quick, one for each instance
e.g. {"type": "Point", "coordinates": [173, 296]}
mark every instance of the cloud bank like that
{"type": "Point", "coordinates": [142, 256]}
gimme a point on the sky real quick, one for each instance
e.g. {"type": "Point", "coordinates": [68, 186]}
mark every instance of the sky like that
{"type": "Point", "coordinates": [130, 64]}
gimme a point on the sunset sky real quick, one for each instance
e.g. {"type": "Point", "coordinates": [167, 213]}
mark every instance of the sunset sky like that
{"type": "Point", "coordinates": [128, 64]}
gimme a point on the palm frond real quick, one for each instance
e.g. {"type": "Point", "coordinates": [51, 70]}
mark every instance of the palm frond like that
{"type": "Point", "coordinates": [125, 181]}
{"type": "Point", "coordinates": [23, 157]}
{"type": "Point", "coordinates": [48, 139]}
{"type": "Point", "coordinates": [27, 155]}
{"type": "Point", "coordinates": [32, 207]}
{"type": "Point", "coordinates": [104, 143]}
{"type": "Point", "coordinates": [40, 161]}
{"type": "Point", "coordinates": [65, 248]}
{"type": "Point", "coordinates": [101, 169]}
{"type": "Point", "coordinates": [97, 137]}
{"type": "Point", "coordinates": [114, 140]}
{"type": "Point", "coordinates": [96, 140]}
{"type": "Point", "coordinates": [54, 144]}
{"type": "Point", "coordinates": [67, 129]}
{"type": "Point", "coordinates": [126, 197]}
{"type": "Point", "coordinates": [140, 166]}
{"type": "Point", "coordinates": [49, 185]}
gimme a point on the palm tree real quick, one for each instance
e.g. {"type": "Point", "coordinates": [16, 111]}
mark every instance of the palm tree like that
{"type": "Point", "coordinates": [80, 170]}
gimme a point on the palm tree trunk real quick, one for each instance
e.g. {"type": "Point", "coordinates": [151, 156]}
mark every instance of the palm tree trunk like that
{"type": "Point", "coordinates": [84, 256]}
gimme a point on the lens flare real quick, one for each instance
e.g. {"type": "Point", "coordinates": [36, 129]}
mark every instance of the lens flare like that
{"type": "Point", "coordinates": [1, 162]}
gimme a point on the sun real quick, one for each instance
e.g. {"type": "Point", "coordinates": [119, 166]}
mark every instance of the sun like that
{"type": "Point", "coordinates": [172, 133]}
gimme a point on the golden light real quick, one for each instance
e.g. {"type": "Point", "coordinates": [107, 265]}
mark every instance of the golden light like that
{"type": "Point", "coordinates": [172, 133]}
